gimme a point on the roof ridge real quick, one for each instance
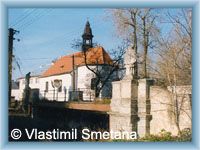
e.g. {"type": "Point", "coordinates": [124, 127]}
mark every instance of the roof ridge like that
{"type": "Point", "coordinates": [79, 52]}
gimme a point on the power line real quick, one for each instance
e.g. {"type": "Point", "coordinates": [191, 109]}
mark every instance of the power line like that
{"type": "Point", "coordinates": [34, 19]}
{"type": "Point", "coordinates": [28, 20]}
{"type": "Point", "coordinates": [20, 17]}
{"type": "Point", "coordinates": [23, 17]}
{"type": "Point", "coordinates": [27, 59]}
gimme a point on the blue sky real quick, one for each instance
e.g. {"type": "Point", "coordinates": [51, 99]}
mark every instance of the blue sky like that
{"type": "Point", "coordinates": [47, 34]}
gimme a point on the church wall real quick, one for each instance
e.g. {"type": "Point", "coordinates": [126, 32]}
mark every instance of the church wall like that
{"type": "Point", "coordinates": [84, 82]}
{"type": "Point", "coordinates": [84, 77]}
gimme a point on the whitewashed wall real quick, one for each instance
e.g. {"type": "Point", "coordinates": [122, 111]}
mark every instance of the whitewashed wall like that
{"type": "Point", "coordinates": [16, 94]}
{"type": "Point", "coordinates": [161, 109]}
{"type": "Point", "coordinates": [34, 83]}
{"type": "Point", "coordinates": [84, 81]}
{"type": "Point", "coordinates": [66, 83]}
{"type": "Point", "coordinates": [83, 78]}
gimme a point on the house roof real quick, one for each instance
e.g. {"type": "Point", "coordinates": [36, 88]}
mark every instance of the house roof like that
{"type": "Point", "coordinates": [15, 85]}
{"type": "Point", "coordinates": [96, 55]}
{"type": "Point", "coordinates": [32, 76]}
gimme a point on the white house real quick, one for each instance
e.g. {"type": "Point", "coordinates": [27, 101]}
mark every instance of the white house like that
{"type": "Point", "coordinates": [17, 93]}
{"type": "Point", "coordinates": [72, 73]}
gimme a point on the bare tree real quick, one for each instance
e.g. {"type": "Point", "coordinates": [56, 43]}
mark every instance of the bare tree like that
{"type": "Point", "coordinates": [148, 30]}
{"type": "Point", "coordinates": [139, 26]}
{"type": "Point", "coordinates": [173, 52]}
{"type": "Point", "coordinates": [105, 72]}
{"type": "Point", "coordinates": [126, 22]}
{"type": "Point", "coordinates": [174, 59]}
{"type": "Point", "coordinates": [183, 28]}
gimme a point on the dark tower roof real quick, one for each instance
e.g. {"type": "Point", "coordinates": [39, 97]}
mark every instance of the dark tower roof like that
{"type": "Point", "coordinates": [87, 37]}
{"type": "Point", "coordinates": [87, 31]}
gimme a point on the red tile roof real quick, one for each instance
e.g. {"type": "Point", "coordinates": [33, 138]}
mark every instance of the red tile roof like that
{"type": "Point", "coordinates": [96, 55]}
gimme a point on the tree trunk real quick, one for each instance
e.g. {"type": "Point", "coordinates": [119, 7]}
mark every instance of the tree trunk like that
{"type": "Point", "coordinates": [145, 45]}
{"type": "Point", "coordinates": [135, 47]}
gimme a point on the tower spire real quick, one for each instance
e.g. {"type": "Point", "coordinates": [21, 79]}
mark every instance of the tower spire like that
{"type": "Point", "coordinates": [87, 37]}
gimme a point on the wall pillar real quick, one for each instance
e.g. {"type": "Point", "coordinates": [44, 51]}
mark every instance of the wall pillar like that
{"type": "Point", "coordinates": [131, 106]}
{"type": "Point", "coordinates": [144, 107]}
{"type": "Point", "coordinates": [123, 114]}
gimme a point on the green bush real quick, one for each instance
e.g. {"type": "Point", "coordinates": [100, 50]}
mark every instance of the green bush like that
{"type": "Point", "coordinates": [185, 135]}
{"type": "Point", "coordinates": [163, 136]}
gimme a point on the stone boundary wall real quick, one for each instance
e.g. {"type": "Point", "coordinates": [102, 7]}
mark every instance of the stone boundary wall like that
{"type": "Point", "coordinates": [139, 106]}
{"type": "Point", "coordinates": [162, 109]}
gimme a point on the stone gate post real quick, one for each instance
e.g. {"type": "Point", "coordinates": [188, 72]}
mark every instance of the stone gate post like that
{"type": "Point", "coordinates": [144, 107]}
{"type": "Point", "coordinates": [123, 114]}
{"type": "Point", "coordinates": [131, 106]}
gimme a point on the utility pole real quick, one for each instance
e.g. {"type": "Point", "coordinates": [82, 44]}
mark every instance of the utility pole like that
{"type": "Point", "coordinates": [73, 73]}
{"type": "Point", "coordinates": [11, 33]}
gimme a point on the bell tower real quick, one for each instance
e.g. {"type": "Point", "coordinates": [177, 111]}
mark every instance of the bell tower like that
{"type": "Point", "coordinates": [87, 37]}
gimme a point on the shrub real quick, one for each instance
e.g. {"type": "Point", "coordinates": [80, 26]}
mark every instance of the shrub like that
{"type": "Point", "coordinates": [185, 135]}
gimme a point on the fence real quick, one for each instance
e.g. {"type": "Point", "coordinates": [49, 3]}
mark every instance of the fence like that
{"type": "Point", "coordinates": [66, 94]}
